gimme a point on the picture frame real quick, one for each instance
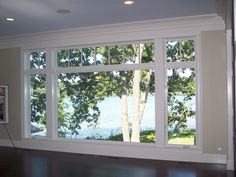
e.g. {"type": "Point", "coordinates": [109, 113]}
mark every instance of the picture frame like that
{"type": "Point", "coordinates": [3, 104]}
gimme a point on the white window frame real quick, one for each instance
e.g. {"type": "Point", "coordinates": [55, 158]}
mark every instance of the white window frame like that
{"type": "Point", "coordinates": [103, 68]}
{"type": "Point", "coordinates": [27, 72]}
{"type": "Point", "coordinates": [185, 64]}
{"type": "Point", "coordinates": [159, 66]}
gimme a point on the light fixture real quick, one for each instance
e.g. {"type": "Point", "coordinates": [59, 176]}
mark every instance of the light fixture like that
{"type": "Point", "coordinates": [128, 2]}
{"type": "Point", "coordinates": [9, 19]}
{"type": "Point", "coordinates": [63, 11]}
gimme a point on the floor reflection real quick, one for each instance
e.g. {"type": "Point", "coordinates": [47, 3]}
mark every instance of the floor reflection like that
{"type": "Point", "coordinates": [24, 163]}
{"type": "Point", "coordinates": [181, 173]}
{"type": "Point", "coordinates": [122, 171]}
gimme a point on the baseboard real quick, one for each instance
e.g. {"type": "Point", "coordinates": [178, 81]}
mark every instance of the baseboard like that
{"type": "Point", "coordinates": [117, 150]}
{"type": "Point", "coordinates": [230, 165]}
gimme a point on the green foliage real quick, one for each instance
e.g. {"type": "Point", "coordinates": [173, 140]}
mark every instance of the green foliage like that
{"type": "Point", "coordinates": [38, 88]}
{"type": "Point", "coordinates": [85, 90]}
{"type": "Point", "coordinates": [181, 85]}
{"type": "Point", "coordinates": [147, 136]}
{"type": "Point", "coordinates": [180, 50]}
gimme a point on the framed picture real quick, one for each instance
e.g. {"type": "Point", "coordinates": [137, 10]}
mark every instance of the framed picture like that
{"type": "Point", "coordinates": [3, 104]}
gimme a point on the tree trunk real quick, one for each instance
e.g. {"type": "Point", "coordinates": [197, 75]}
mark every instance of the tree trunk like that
{"type": "Point", "coordinates": [125, 118]}
{"type": "Point", "coordinates": [135, 137]}
{"type": "Point", "coordinates": [144, 94]}
{"type": "Point", "coordinates": [136, 108]}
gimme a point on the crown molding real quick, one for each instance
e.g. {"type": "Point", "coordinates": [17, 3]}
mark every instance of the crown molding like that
{"type": "Point", "coordinates": [117, 32]}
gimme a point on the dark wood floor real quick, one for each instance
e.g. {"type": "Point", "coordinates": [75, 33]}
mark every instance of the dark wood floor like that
{"type": "Point", "coordinates": [32, 163]}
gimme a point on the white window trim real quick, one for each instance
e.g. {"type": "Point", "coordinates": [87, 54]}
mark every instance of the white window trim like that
{"type": "Point", "coordinates": [184, 64]}
{"type": "Point", "coordinates": [159, 66]}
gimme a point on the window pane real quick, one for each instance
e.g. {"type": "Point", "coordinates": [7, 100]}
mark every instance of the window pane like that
{"type": "Point", "coordinates": [180, 50]}
{"type": "Point", "coordinates": [89, 56]}
{"type": "Point", "coordinates": [108, 55]}
{"type": "Point", "coordinates": [69, 57]}
{"type": "Point", "coordinates": [112, 106]}
{"type": "Point", "coordinates": [132, 53]}
{"type": "Point", "coordinates": [38, 104]}
{"type": "Point", "coordinates": [38, 60]}
{"type": "Point", "coordinates": [181, 106]}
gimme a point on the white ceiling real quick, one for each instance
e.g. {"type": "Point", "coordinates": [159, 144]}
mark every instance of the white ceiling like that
{"type": "Point", "coordinates": [40, 15]}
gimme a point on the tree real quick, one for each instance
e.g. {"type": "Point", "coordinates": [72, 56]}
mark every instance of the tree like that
{"type": "Point", "coordinates": [85, 90]}
{"type": "Point", "coordinates": [38, 88]}
{"type": "Point", "coordinates": [181, 86]}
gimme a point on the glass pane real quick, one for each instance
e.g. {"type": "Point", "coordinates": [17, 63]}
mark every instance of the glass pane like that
{"type": "Point", "coordinates": [102, 56]}
{"type": "Point", "coordinates": [38, 60]}
{"type": "Point", "coordinates": [108, 55]}
{"type": "Point", "coordinates": [75, 57]}
{"type": "Point", "coordinates": [132, 53]}
{"type": "Point", "coordinates": [111, 106]}
{"type": "Point", "coordinates": [148, 53]}
{"type": "Point", "coordinates": [181, 106]}
{"type": "Point", "coordinates": [88, 55]}
{"type": "Point", "coordinates": [38, 104]}
{"type": "Point", "coordinates": [116, 54]}
{"type": "Point", "coordinates": [180, 50]}
{"type": "Point", "coordinates": [69, 57]}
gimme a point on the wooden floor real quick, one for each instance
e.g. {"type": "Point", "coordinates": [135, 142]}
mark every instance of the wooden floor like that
{"type": "Point", "coordinates": [32, 163]}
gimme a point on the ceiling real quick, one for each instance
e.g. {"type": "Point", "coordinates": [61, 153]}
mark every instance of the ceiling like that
{"type": "Point", "coordinates": [41, 15]}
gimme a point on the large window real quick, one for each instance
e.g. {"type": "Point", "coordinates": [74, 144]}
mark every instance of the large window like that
{"type": "Point", "coordinates": [110, 92]}
{"type": "Point", "coordinates": [114, 105]}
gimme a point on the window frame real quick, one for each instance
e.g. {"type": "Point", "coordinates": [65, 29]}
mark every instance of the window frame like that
{"type": "Point", "coordinates": [185, 64]}
{"type": "Point", "coordinates": [159, 65]}
{"type": "Point", "coordinates": [104, 68]}
{"type": "Point", "coordinates": [28, 72]}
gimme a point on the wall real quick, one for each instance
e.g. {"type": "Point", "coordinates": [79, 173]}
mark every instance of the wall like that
{"type": "Point", "coordinates": [10, 74]}
{"type": "Point", "coordinates": [214, 91]}
{"type": "Point", "coordinates": [214, 107]}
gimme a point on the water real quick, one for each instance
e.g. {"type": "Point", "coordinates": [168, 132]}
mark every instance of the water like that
{"type": "Point", "coordinates": [109, 122]}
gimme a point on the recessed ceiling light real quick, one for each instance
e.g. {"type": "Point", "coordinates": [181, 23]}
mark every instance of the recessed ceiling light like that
{"type": "Point", "coordinates": [63, 11]}
{"type": "Point", "coordinates": [128, 2]}
{"type": "Point", "coordinates": [10, 19]}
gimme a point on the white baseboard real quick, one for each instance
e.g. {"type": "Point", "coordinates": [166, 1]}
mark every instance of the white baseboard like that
{"type": "Point", "coordinates": [119, 150]}
{"type": "Point", "coordinates": [230, 165]}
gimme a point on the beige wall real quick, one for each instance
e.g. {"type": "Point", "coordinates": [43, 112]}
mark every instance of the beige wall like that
{"type": "Point", "coordinates": [10, 74]}
{"type": "Point", "coordinates": [214, 91]}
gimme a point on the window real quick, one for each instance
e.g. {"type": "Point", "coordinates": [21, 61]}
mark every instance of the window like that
{"type": "Point", "coordinates": [107, 104]}
{"type": "Point", "coordinates": [37, 91]}
{"type": "Point", "coordinates": [181, 92]}
{"type": "Point", "coordinates": [109, 92]}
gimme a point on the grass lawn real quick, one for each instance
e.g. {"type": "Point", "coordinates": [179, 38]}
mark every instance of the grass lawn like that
{"type": "Point", "coordinates": [148, 136]}
{"type": "Point", "coordinates": [188, 140]}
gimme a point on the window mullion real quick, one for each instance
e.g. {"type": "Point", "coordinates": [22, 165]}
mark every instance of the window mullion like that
{"type": "Point", "coordinates": [26, 93]}
{"type": "Point", "coordinates": [27, 111]}
{"type": "Point", "coordinates": [50, 95]}
{"type": "Point", "coordinates": [182, 64]}
{"type": "Point", "coordinates": [160, 92]}
{"type": "Point", "coordinates": [198, 93]}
